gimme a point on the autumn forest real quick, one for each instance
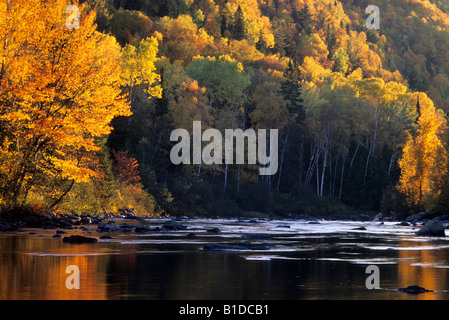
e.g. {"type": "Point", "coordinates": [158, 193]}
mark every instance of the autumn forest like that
{"type": "Point", "coordinates": [86, 113]}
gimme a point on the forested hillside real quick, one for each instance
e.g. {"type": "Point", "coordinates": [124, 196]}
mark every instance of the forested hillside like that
{"type": "Point", "coordinates": [361, 113]}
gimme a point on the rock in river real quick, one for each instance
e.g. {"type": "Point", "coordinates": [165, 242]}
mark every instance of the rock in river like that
{"type": "Point", "coordinates": [237, 247]}
{"type": "Point", "coordinates": [414, 290]}
{"type": "Point", "coordinates": [257, 236]}
{"type": "Point", "coordinates": [433, 228]}
{"type": "Point", "coordinates": [79, 239]}
{"type": "Point", "coordinates": [214, 230]}
{"type": "Point", "coordinates": [224, 247]}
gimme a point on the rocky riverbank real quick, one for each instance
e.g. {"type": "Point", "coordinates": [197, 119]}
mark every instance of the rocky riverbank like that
{"type": "Point", "coordinates": [429, 226]}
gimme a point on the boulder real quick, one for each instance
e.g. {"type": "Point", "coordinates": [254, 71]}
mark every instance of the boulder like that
{"type": "Point", "coordinates": [378, 217]}
{"type": "Point", "coordinates": [79, 239]}
{"type": "Point", "coordinates": [414, 290]}
{"type": "Point", "coordinates": [214, 230]}
{"type": "Point", "coordinates": [106, 227]}
{"type": "Point", "coordinates": [433, 228]}
{"type": "Point", "coordinates": [86, 220]}
{"type": "Point", "coordinates": [173, 227]}
{"type": "Point", "coordinates": [416, 217]}
{"type": "Point", "coordinates": [143, 229]}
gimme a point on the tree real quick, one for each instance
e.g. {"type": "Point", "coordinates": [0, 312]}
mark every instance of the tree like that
{"type": "Point", "coordinates": [125, 168]}
{"type": "Point", "coordinates": [59, 90]}
{"type": "Point", "coordinates": [130, 26]}
{"type": "Point", "coordinates": [304, 18]}
{"type": "Point", "coordinates": [139, 68]}
{"type": "Point", "coordinates": [418, 159]}
{"type": "Point", "coordinates": [238, 28]}
{"type": "Point", "coordinates": [341, 60]}
{"type": "Point", "coordinates": [224, 78]}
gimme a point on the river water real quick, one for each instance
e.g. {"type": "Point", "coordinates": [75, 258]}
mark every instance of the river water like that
{"type": "Point", "coordinates": [325, 260]}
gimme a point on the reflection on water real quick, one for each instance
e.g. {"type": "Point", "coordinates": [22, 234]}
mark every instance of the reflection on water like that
{"type": "Point", "coordinates": [428, 268]}
{"type": "Point", "coordinates": [307, 262]}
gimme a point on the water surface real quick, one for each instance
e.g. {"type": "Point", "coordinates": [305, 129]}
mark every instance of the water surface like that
{"type": "Point", "coordinates": [326, 260]}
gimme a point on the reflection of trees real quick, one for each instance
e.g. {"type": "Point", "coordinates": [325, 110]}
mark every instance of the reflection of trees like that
{"type": "Point", "coordinates": [422, 274]}
{"type": "Point", "coordinates": [42, 277]}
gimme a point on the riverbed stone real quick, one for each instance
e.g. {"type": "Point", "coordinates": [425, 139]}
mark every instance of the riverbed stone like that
{"type": "Point", "coordinates": [257, 236]}
{"type": "Point", "coordinates": [173, 227]}
{"type": "Point", "coordinates": [79, 239]}
{"type": "Point", "coordinates": [106, 227]}
{"type": "Point", "coordinates": [224, 247]}
{"type": "Point", "coordinates": [141, 229]}
{"type": "Point", "coordinates": [433, 228]}
{"type": "Point", "coordinates": [414, 290]}
{"type": "Point", "coordinates": [416, 217]}
{"type": "Point", "coordinates": [378, 217]}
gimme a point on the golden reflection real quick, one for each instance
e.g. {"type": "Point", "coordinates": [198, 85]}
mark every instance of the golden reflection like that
{"type": "Point", "coordinates": [426, 267]}
{"type": "Point", "coordinates": [34, 268]}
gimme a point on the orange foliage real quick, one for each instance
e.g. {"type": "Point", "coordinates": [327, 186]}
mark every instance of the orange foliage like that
{"type": "Point", "coordinates": [59, 90]}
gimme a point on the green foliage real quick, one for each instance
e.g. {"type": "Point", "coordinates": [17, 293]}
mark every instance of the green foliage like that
{"type": "Point", "coordinates": [129, 26]}
{"type": "Point", "coordinates": [224, 78]}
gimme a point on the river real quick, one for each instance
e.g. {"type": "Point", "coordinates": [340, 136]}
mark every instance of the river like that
{"type": "Point", "coordinates": [320, 260]}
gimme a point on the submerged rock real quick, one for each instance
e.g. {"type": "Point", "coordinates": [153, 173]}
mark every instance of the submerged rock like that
{"type": "Point", "coordinates": [257, 236]}
{"type": "Point", "coordinates": [143, 229]}
{"type": "Point", "coordinates": [238, 247]}
{"type": "Point", "coordinates": [414, 290]}
{"type": "Point", "coordinates": [433, 228]}
{"type": "Point", "coordinates": [214, 230]}
{"type": "Point", "coordinates": [173, 227]}
{"type": "Point", "coordinates": [79, 239]}
{"type": "Point", "coordinates": [224, 247]}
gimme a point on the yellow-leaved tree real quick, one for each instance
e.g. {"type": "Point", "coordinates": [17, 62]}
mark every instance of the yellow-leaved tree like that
{"type": "Point", "coordinates": [59, 89]}
{"type": "Point", "coordinates": [419, 158]}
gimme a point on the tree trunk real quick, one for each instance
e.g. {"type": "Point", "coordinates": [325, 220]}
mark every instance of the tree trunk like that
{"type": "Point", "coordinates": [284, 148]}
{"type": "Point", "coordinates": [341, 177]}
{"type": "Point", "coordinates": [324, 172]}
{"type": "Point", "coordinates": [57, 201]}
